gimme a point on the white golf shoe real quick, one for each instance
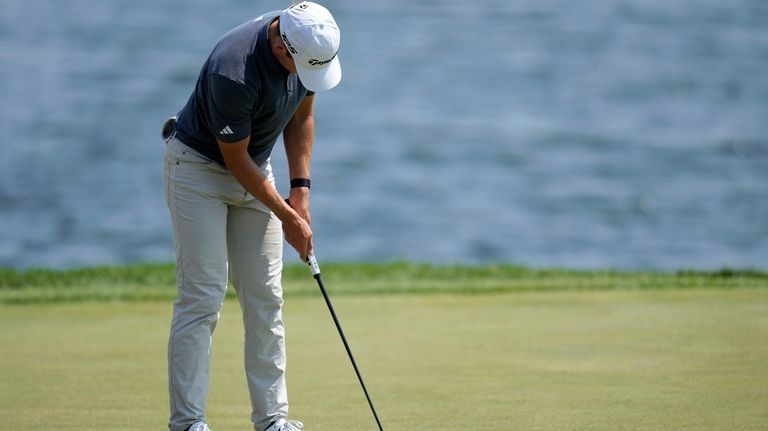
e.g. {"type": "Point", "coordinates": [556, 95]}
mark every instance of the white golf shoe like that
{"type": "Point", "coordinates": [285, 425]}
{"type": "Point", "coordinates": [199, 426]}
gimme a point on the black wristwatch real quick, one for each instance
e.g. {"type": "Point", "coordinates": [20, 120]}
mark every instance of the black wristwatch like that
{"type": "Point", "coordinates": [300, 182]}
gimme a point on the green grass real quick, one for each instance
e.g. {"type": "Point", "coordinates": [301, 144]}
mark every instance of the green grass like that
{"type": "Point", "coordinates": [460, 348]}
{"type": "Point", "coordinates": [156, 281]}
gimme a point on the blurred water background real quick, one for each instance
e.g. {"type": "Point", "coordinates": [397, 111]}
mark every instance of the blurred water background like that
{"type": "Point", "coordinates": [627, 134]}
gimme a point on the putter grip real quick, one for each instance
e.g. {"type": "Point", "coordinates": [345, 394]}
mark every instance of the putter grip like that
{"type": "Point", "coordinates": [313, 265]}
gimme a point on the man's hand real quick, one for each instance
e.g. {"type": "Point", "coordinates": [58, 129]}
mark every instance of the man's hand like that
{"type": "Point", "coordinates": [299, 201]}
{"type": "Point", "coordinates": [299, 236]}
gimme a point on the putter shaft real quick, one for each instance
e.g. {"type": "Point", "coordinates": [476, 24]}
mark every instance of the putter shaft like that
{"type": "Point", "coordinates": [316, 274]}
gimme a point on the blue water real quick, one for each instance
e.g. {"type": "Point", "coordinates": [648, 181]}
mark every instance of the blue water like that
{"type": "Point", "coordinates": [599, 134]}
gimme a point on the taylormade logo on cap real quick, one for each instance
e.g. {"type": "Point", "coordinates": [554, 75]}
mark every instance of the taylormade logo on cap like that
{"type": "Point", "coordinates": [311, 35]}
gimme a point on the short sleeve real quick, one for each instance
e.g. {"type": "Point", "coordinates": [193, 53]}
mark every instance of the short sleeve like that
{"type": "Point", "coordinates": [229, 106]}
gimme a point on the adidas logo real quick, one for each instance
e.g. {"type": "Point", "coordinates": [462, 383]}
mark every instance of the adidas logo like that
{"type": "Point", "coordinates": [226, 131]}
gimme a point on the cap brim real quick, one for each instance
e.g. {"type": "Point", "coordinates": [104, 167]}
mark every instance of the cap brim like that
{"type": "Point", "coordinates": [320, 79]}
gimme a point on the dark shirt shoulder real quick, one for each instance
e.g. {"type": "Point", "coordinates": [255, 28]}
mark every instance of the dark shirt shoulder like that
{"type": "Point", "coordinates": [242, 91]}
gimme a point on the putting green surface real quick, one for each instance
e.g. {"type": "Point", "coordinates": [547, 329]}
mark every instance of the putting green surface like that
{"type": "Point", "coordinates": [637, 359]}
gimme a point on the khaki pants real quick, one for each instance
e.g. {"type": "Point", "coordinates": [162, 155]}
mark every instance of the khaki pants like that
{"type": "Point", "coordinates": [220, 230]}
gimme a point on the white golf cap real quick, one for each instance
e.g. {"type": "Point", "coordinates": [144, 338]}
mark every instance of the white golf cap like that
{"type": "Point", "coordinates": [312, 37]}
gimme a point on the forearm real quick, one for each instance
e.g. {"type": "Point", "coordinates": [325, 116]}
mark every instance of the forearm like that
{"type": "Point", "coordinates": [295, 227]}
{"type": "Point", "coordinates": [248, 174]}
{"type": "Point", "coordinates": [298, 137]}
{"type": "Point", "coordinates": [298, 149]}
{"type": "Point", "coordinates": [256, 183]}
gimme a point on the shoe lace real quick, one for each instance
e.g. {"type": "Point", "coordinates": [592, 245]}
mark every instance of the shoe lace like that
{"type": "Point", "coordinates": [288, 425]}
{"type": "Point", "coordinates": [293, 425]}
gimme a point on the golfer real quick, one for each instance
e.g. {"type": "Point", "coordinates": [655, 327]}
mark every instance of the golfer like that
{"type": "Point", "coordinates": [228, 218]}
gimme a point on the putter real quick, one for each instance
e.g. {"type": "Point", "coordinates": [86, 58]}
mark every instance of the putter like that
{"type": "Point", "coordinates": [316, 273]}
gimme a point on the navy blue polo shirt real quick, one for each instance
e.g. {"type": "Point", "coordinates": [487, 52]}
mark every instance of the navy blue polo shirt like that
{"type": "Point", "coordinates": [242, 91]}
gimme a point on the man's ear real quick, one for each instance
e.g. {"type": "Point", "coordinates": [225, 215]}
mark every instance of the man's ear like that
{"type": "Point", "coordinates": [282, 50]}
